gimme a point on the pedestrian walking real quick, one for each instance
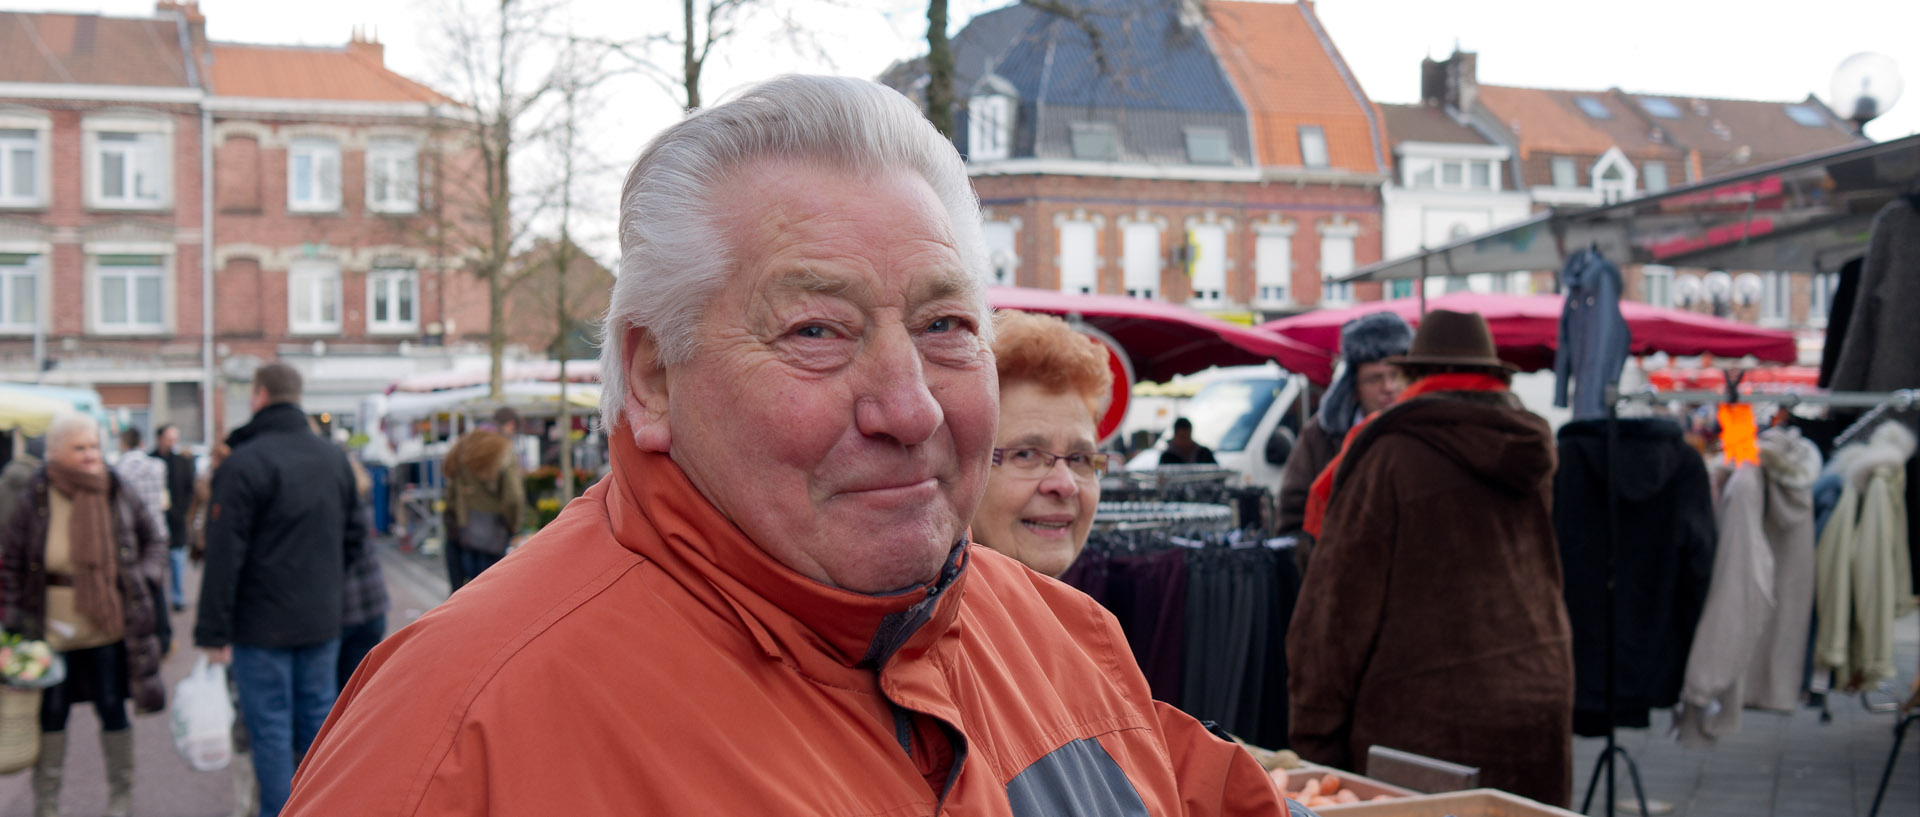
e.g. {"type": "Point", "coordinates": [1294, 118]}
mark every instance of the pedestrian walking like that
{"type": "Point", "coordinates": [78, 567]}
{"type": "Point", "coordinates": [364, 603]}
{"type": "Point", "coordinates": [281, 530]}
{"type": "Point", "coordinates": [485, 502]}
{"type": "Point", "coordinates": [771, 606]}
{"type": "Point", "coordinates": [145, 476]}
{"type": "Point", "coordinates": [180, 482]}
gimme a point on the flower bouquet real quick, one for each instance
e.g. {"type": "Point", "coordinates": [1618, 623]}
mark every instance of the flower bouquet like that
{"type": "Point", "coordinates": [29, 664]}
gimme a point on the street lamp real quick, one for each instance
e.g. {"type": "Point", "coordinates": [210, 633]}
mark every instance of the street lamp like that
{"type": "Point", "coordinates": [1864, 87]}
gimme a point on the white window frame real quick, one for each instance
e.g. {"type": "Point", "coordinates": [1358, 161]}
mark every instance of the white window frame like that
{"type": "Point", "coordinates": [399, 160]}
{"type": "Point", "coordinates": [32, 270]}
{"type": "Point", "coordinates": [393, 281]}
{"type": "Point", "coordinates": [1647, 174]}
{"type": "Point", "coordinates": [1003, 250]}
{"type": "Point", "coordinates": [1612, 190]}
{"type": "Point", "coordinates": [1273, 265]}
{"type": "Point", "coordinates": [100, 276]}
{"type": "Point", "coordinates": [1776, 298]}
{"type": "Point", "coordinates": [1140, 258]}
{"type": "Point", "coordinates": [318, 151]}
{"type": "Point", "coordinates": [152, 151]}
{"type": "Point", "coordinates": [1074, 234]}
{"type": "Point", "coordinates": [1209, 242]}
{"type": "Point", "coordinates": [1820, 298]}
{"type": "Point", "coordinates": [1656, 285]}
{"type": "Point", "coordinates": [316, 277]}
{"type": "Point", "coordinates": [38, 128]}
{"type": "Point", "coordinates": [989, 127]}
{"type": "Point", "coordinates": [1319, 139]}
{"type": "Point", "coordinates": [1572, 172]}
{"type": "Point", "coordinates": [1331, 236]}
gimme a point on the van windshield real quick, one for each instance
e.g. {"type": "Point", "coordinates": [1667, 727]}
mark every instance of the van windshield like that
{"type": "Point", "coordinates": [1226, 412]}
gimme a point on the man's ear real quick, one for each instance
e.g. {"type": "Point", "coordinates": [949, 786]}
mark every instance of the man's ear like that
{"type": "Point", "coordinates": [645, 405]}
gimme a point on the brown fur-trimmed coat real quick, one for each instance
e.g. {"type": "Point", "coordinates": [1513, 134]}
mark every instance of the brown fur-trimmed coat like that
{"type": "Point", "coordinates": [1432, 620]}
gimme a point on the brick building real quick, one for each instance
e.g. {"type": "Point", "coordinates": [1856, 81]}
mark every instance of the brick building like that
{"type": "Point", "coordinates": [142, 166]}
{"type": "Point", "coordinates": [330, 211]}
{"type": "Point", "coordinates": [1220, 156]}
{"type": "Point", "coordinates": [101, 218]}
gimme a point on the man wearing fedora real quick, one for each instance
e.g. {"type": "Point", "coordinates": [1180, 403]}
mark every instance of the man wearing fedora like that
{"type": "Point", "coordinates": [1432, 620]}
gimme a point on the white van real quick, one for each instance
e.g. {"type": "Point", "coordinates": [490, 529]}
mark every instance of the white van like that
{"type": "Point", "coordinates": [1250, 417]}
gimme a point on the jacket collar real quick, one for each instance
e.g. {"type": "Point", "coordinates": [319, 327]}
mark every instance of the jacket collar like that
{"type": "Point", "coordinates": [833, 635]}
{"type": "Point", "coordinates": [277, 417]}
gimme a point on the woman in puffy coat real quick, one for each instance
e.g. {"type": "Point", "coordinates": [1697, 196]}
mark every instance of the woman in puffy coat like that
{"type": "Point", "coordinates": [78, 565]}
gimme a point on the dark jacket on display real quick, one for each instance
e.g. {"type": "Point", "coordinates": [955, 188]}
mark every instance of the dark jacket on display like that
{"type": "Point", "coordinates": [1666, 541]}
{"type": "Point", "coordinates": [280, 531]}
{"type": "Point", "coordinates": [1432, 620]}
{"type": "Point", "coordinates": [143, 563]}
{"type": "Point", "coordinates": [1594, 338]}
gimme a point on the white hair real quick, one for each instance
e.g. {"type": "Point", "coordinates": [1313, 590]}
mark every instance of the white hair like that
{"type": "Point", "coordinates": [66, 424]}
{"type": "Point", "coordinates": [673, 258]}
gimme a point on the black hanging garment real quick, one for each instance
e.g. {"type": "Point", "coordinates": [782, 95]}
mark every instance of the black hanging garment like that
{"type": "Point", "coordinates": [1665, 539]}
{"type": "Point", "coordinates": [1877, 347]}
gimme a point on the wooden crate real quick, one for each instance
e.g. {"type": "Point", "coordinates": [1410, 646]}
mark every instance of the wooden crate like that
{"type": "Point", "coordinates": [1365, 787]}
{"type": "Point", "coordinates": [1476, 803]}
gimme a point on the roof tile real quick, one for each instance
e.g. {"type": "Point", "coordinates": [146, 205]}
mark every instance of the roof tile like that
{"type": "Point", "coordinates": [88, 49]}
{"type": "Point", "coordinates": [297, 72]}
{"type": "Point", "coordinates": [1422, 123]}
{"type": "Point", "coordinates": [1288, 79]}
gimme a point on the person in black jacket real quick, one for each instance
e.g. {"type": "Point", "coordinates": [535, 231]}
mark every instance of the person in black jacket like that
{"type": "Point", "coordinates": [166, 448]}
{"type": "Point", "coordinates": [280, 531]}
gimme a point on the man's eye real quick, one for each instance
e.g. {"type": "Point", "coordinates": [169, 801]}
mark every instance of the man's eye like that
{"type": "Point", "coordinates": [1024, 456]}
{"type": "Point", "coordinates": [814, 331]}
{"type": "Point", "coordinates": [947, 324]}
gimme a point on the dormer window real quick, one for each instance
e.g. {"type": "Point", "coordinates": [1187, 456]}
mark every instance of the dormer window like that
{"type": "Point", "coordinates": [1613, 176]}
{"type": "Point", "coordinates": [1095, 140]}
{"type": "Point", "coordinates": [1208, 146]}
{"type": "Point", "coordinates": [990, 119]}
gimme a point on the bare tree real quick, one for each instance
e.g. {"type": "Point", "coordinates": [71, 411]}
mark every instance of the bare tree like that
{"type": "Point", "coordinates": [579, 72]}
{"type": "Point", "coordinates": [496, 55]}
{"type": "Point", "coordinates": [705, 27]}
{"type": "Point", "coordinates": [939, 69]}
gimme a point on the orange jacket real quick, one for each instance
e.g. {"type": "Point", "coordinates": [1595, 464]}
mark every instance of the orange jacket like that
{"type": "Point", "coordinates": [641, 656]}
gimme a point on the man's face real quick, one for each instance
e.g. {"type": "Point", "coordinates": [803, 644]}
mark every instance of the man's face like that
{"type": "Point", "coordinates": [840, 403]}
{"type": "Point", "coordinates": [169, 437]}
{"type": "Point", "coordinates": [1378, 385]}
{"type": "Point", "coordinates": [79, 450]}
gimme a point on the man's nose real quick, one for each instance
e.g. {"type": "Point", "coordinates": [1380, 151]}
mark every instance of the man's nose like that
{"type": "Point", "coordinates": [895, 402]}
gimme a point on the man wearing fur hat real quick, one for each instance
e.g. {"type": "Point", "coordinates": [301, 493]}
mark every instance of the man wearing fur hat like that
{"type": "Point", "coordinates": [1367, 385]}
{"type": "Point", "coordinates": [1432, 620]}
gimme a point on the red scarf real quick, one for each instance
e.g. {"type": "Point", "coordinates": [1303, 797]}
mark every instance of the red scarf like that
{"type": "Point", "coordinates": [1321, 494]}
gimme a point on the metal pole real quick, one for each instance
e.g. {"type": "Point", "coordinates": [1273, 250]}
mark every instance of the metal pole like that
{"type": "Point", "coordinates": [1421, 285]}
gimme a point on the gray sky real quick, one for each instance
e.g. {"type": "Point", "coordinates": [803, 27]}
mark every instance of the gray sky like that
{"type": "Point", "coordinates": [1758, 49]}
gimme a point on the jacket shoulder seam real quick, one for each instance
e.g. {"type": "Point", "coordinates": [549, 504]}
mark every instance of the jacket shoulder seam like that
{"type": "Point", "coordinates": [488, 671]}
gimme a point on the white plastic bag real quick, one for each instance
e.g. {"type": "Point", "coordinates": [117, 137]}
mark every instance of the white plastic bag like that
{"type": "Point", "coordinates": [203, 717]}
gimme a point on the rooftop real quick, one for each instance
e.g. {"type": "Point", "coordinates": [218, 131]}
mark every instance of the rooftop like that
{"type": "Point", "coordinates": [88, 49]}
{"type": "Point", "coordinates": [1291, 76]}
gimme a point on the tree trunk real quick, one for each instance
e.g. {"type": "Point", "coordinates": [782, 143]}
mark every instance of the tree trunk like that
{"type": "Point", "coordinates": [498, 214]}
{"type": "Point", "coordinates": [939, 69]}
{"type": "Point", "coordinates": [566, 410]}
{"type": "Point", "coordinates": [690, 60]}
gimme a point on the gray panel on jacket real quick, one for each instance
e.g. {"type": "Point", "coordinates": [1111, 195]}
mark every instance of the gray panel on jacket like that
{"type": "Point", "coordinates": [1076, 780]}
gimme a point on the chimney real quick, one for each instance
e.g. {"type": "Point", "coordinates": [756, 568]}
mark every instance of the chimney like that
{"type": "Point", "coordinates": [1433, 83]}
{"type": "Point", "coordinates": [367, 46]}
{"type": "Point", "coordinates": [188, 10]}
{"type": "Point", "coordinates": [1463, 86]}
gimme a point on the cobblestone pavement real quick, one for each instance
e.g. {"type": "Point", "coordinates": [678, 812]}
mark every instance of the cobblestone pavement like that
{"type": "Point", "coordinates": [1778, 765]}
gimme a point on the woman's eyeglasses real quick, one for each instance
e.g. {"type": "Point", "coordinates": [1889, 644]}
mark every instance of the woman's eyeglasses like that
{"type": "Point", "coordinates": [1035, 463]}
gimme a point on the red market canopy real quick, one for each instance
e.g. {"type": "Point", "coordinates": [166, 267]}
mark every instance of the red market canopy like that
{"type": "Point", "coordinates": [1527, 328]}
{"type": "Point", "coordinates": [1164, 339]}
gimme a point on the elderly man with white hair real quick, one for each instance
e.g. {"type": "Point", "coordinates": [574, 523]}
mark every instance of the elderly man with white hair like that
{"type": "Point", "coordinates": [80, 560]}
{"type": "Point", "coordinates": [770, 606]}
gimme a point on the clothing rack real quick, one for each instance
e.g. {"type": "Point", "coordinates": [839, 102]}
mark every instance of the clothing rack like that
{"type": "Point", "coordinates": [1879, 402]}
{"type": "Point", "coordinates": [1152, 515]}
